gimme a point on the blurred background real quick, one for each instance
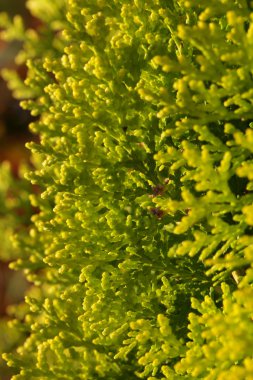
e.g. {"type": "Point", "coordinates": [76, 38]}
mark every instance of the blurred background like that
{"type": "Point", "coordinates": [13, 120]}
{"type": "Point", "coordinates": [13, 136]}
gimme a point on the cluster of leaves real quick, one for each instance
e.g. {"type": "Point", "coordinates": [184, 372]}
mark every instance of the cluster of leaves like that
{"type": "Point", "coordinates": [15, 209]}
{"type": "Point", "coordinates": [14, 219]}
{"type": "Point", "coordinates": [142, 250]}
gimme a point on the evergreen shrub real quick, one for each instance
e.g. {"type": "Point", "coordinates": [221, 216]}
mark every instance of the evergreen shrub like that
{"type": "Point", "coordinates": [141, 254]}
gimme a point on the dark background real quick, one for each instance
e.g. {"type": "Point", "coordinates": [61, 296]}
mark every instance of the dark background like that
{"type": "Point", "coordinates": [13, 136]}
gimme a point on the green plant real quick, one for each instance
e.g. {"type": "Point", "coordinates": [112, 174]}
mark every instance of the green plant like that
{"type": "Point", "coordinates": [142, 249]}
{"type": "Point", "coordinates": [14, 218]}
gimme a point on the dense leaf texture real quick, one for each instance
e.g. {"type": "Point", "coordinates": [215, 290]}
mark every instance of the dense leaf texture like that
{"type": "Point", "coordinates": [142, 250]}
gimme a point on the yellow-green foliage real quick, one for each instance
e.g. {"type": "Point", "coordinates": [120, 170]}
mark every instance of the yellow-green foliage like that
{"type": "Point", "coordinates": [143, 246]}
{"type": "Point", "coordinates": [15, 210]}
{"type": "Point", "coordinates": [15, 213]}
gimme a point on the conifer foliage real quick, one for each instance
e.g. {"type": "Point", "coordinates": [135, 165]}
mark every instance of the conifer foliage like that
{"type": "Point", "coordinates": [142, 251]}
